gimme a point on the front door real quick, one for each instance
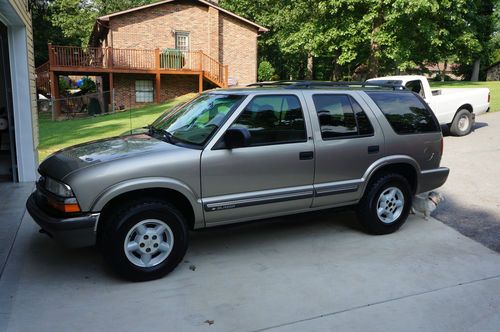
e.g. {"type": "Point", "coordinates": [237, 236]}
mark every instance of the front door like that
{"type": "Point", "coordinates": [274, 173]}
{"type": "Point", "coordinates": [8, 170]}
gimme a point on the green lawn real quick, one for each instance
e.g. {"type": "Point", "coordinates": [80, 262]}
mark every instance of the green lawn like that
{"type": "Point", "coordinates": [494, 87]}
{"type": "Point", "coordinates": [55, 135]}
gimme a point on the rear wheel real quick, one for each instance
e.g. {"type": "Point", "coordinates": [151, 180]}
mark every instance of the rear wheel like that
{"type": "Point", "coordinates": [386, 204]}
{"type": "Point", "coordinates": [145, 240]}
{"type": "Point", "coordinates": [462, 123]}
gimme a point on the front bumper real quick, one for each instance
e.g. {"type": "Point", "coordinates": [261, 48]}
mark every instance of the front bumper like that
{"type": "Point", "coordinates": [432, 179]}
{"type": "Point", "coordinates": [74, 232]}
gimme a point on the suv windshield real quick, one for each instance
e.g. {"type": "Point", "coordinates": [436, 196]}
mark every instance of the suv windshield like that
{"type": "Point", "coordinates": [196, 121]}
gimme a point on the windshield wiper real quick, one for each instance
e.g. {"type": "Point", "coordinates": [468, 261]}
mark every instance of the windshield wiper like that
{"type": "Point", "coordinates": [161, 133]}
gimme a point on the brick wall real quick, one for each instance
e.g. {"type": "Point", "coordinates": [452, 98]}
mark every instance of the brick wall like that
{"type": "Point", "coordinates": [239, 49]}
{"type": "Point", "coordinates": [171, 86]}
{"type": "Point", "coordinates": [153, 27]}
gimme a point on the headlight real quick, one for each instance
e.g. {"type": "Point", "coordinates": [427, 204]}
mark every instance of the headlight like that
{"type": "Point", "coordinates": [58, 188]}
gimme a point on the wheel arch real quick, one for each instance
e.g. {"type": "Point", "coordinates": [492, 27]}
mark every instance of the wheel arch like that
{"type": "Point", "coordinates": [467, 107]}
{"type": "Point", "coordinates": [403, 165]}
{"type": "Point", "coordinates": [173, 191]}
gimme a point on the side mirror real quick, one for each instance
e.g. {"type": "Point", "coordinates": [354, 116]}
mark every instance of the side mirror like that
{"type": "Point", "coordinates": [237, 137]}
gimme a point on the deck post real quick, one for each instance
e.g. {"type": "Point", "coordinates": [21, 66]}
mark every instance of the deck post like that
{"type": "Point", "coordinates": [200, 83]}
{"type": "Point", "coordinates": [111, 92]}
{"type": "Point", "coordinates": [158, 75]}
{"type": "Point", "coordinates": [54, 95]}
{"type": "Point", "coordinates": [51, 58]}
{"type": "Point", "coordinates": [158, 87]}
{"type": "Point", "coordinates": [226, 78]}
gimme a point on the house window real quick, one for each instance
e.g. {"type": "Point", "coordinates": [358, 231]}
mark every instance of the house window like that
{"type": "Point", "coordinates": [182, 41]}
{"type": "Point", "coordinates": [144, 91]}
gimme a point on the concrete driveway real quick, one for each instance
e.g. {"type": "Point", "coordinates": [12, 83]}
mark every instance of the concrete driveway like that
{"type": "Point", "coordinates": [472, 192]}
{"type": "Point", "coordinates": [314, 272]}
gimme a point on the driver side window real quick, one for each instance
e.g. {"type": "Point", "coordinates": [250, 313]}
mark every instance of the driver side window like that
{"type": "Point", "coordinates": [273, 119]}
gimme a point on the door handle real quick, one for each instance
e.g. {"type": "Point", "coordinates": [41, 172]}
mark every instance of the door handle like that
{"type": "Point", "coordinates": [373, 149]}
{"type": "Point", "coordinates": [306, 155]}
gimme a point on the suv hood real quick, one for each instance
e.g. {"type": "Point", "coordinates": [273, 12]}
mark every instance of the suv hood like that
{"type": "Point", "coordinates": [66, 161]}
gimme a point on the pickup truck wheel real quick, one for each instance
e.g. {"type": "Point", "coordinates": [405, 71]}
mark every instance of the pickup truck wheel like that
{"type": "Point", "coordinates": [386, 204]}
{"type": "Point", "coordinates": [145, 240]}
{"type": "Point", "coordinates": [462, 123]}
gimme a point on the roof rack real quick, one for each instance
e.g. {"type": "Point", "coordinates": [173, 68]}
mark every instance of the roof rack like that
{"type": "Point", "coordinates": [324, 84]}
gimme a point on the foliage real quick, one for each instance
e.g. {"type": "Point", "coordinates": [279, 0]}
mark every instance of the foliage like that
{"type": "Point", "coordinates": [87, 85]}
{"type": "Point", "coordinates": [367, 38]}
{"type": "Point", "coordinates": [266, 71]}
{"type": "Point", "coordinates": [44, 31]}
{"type": "Point", "coordinates": [63, 84]}
{"type": "Point", "coordinates": [55, 135]}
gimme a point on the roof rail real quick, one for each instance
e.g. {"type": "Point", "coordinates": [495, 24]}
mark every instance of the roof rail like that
{"type": "Point", "coordinates": [325, 84]}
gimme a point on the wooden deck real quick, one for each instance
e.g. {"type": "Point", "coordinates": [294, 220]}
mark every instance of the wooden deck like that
{"type": "Point", "coordinates": [106, 61]}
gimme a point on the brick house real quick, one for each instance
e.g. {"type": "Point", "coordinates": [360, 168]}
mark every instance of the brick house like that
{"type": "Point", "coordinates": [159, 51]}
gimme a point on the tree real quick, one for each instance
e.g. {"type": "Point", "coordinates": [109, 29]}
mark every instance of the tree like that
{"type": "Point", "coordinates": [44, 31]}
{"type": "Point", "coordinates": [266, 71]}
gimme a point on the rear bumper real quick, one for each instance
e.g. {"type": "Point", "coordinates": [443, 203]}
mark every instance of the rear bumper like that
{"type": "Point", "coordinates": [432, 179]}
{"type": "Point", "coordinates": [72, 232]}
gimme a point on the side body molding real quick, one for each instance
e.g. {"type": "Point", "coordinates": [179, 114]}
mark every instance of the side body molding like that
{"type": "Point", "coordinates": [152, 182]}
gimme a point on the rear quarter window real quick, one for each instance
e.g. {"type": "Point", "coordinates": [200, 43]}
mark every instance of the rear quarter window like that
{"type": "Point", "coordinates": [406, 113]}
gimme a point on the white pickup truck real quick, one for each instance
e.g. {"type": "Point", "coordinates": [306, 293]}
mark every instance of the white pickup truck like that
{"type": "Point", "coordinates": [455, 107]}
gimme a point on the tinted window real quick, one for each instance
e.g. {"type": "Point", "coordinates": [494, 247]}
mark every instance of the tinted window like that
{"type": "Point", "coordinates": [364, 125]}
{"type": "Point", "coordinates": [340, 116]}
{"type": "Point", "coordinates": [273, 120]}
{"type": "Point", "coordinates": [405, 112]}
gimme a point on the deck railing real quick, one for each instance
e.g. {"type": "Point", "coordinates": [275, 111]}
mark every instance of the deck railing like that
{"type": "Point", "coordinates": [87, 58]}
{"type": "Point", "coordinates": [43, 78]}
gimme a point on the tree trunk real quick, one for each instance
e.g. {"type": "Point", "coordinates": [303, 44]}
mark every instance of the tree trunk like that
{"type": "Point", "coordinates": [475, 71]}
{"type": "Point", "coordinates": [373, 61]}
{"type": "Point", "coordinates": [310, 68]}
{"type": "Point", "coordinates": [335, 71]}
{"type": "Point", "coordinates": [443, 75]}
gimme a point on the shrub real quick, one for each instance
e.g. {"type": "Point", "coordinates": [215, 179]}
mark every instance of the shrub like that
{"type": "Point", "coordinates": [266, 71]}
{"type": "Point", "coordinates": [87, 85]}
{"type": "Point", "coordinates": [63, 84]}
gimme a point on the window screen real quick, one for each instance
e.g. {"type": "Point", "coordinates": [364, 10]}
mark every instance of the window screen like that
{"type": "Point", "coordinates": [144, 91]}
{"type": "Point", "coordinates": [273, 120]}
{"type": "Point", "coordinates": [405, 112]}
{"type": "Point", "coordinates": [341, 116]}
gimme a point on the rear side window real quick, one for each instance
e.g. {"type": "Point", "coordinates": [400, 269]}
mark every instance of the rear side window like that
{"type": "Point", "coordinates": [273, 119]}
{"type": "Point", "coordinates": [341, 116]}
{"type": "Point", "coordinates": [405, 112]}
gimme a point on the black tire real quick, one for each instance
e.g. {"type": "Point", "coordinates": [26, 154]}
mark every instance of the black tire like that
{"type": "Point", "coordinates": [367, 207]}
{"type": "Point", "coordinates": [119, 224]}
{"type": "Point", "coordinates": [455, 127]}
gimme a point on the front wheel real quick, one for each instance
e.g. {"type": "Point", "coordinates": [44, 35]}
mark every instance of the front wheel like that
{"type": "Point", "coordinates": [386, 204]}
{"type": "Point", "coordinates": [145, 240]}
{"type": "Point", "coordinates": [462, 123]}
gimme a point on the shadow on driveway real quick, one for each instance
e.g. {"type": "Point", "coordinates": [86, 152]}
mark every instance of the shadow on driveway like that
{"type": "Point", "coordinates": [478, 224]}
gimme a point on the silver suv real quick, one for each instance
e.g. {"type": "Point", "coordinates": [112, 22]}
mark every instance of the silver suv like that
{"type": "Point", "coordinates": [235, 155]}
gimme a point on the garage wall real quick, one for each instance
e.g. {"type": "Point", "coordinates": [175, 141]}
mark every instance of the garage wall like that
{"type": "Point", "coordinates": [15, 15]}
